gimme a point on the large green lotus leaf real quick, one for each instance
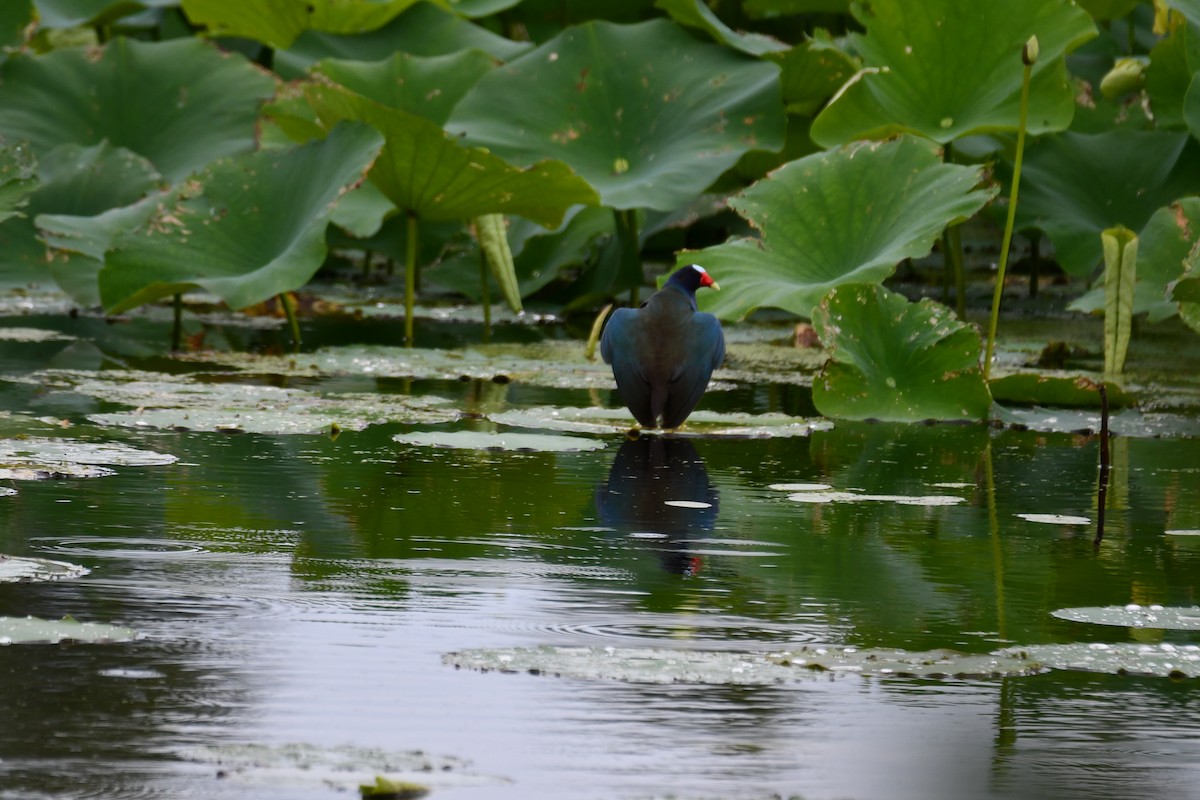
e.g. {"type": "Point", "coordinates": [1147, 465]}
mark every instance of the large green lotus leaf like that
{"type": "Point", "coordinates": [696, 14]}
{"type": "Point", "coordinates": [78, 181]}
{"type": "Point", "coordinates": [1173, 63]}
{"type": "Point", "coordinates": [251, 227]}
{"type": "Point", "coordinates": [481, 8]}
{"type": "Point", "coordinates": [426, 171]}
{"type": "Point", "coordinates": [180, 103]}
{"type": "Point", "coordinates": [648, 115]}
{"type": "Point", "coordinates": [766, 9]}
{"type": "Point", "coordinates": [278, 22]}
{"type": "Point", "coordinates": [1163, 246]}
{"type": "Point", "coordinates": [1073, 186]}
{"type": "Point", "coordinates": [430, 87]}
{"type": "Point", "coordinates": [948, 69]}
{"type": "Point", "coordinates": [1108, 9]}
{"type": "Point", "coordinates": [70, 13]}
{"type": "Point", "coordinates": [843, 216]}
{"type": "Point", "coordinates": [15, 16]}
{"type": "Point", "coordinates": [812, 72]}
{"type": "Point", "coordinates": [1189, 8]}
{"type": "Point", "coordinates": [423, 30]}
{"type": "Point", "coordinates": [894, 360]}
{"type": "Point", "coordinates": [18, 177]}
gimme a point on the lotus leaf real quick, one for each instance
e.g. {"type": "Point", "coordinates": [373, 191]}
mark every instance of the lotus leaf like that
{"type": "Point", "coordinates": [481, 8]}
{"type": "Point", "coordinates": [18, 177]}
{"type": "Point", "coordinates": [76, 181]}
{"type": "Point", "coordinates": [277, 23]}
{"type": "Point", "coordinates": [844, 216]}
{"type": "Point", "coordinates": [780, 8]}
{"type": "Point", "coordinates": [1076, 185]}
{"type": "Point", "coordinates": [1189, 8]}
{"type": "Point", "coordinates": [1108, 9]}
{"type": "Point", "coordinates": [1033, 389]}
{"type": "Point", "coordinates": [70, 13]}
{"type": "Point", "coordinates": [895, 360]}
{"type": "Point", "coordinates": [947, 69]}
{"type": "Point", "coordinates": [429, 87]}
{"type": "Point", "coordinates": [424, 29]}
{"type": "Point", "coordinates": [254, 226]}
{"type": "Point", "coordinates": [1163, 246]}
{"type": "Point", "coordinates": [180, 104]}
{"type": "Point", "coordinates": [649, 116]}
{"type": "Point", "coordinates": [15, 16]}
{"type": "Point", "coordinates": [812, 73]}
{"type": "Point", "coordinates": [696, 14]}
{"type": "Point", "coordinates": [1173, 62]}
{"type": "Point", "coordinates": [427, 172]}
{"type": "Point", "coordinates": [1120, 271]}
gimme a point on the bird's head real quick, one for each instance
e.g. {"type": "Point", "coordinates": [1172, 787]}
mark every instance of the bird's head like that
{"type": "Point", "coordinates": [692, 277]}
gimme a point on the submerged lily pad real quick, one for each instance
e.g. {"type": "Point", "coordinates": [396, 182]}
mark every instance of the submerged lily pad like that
{"type": "Point", "coordinates": [661, 665]}
{"type": "Point", "coordinates": [31, 630]}
{"type": "Point", "coordinates": [1158, 660]}
{"type": "Point", "coordinates": [20, 569]}
{"type": "Point", "coordinates": [488, 440]}
{"type": "Point", "coordinates": [33, 335]}
{"type": "Point", "coordinates": [1136, 616]}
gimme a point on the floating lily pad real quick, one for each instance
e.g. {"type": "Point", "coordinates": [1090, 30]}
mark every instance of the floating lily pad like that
{"type": "Point", "coordinates": [861, 497]}
{"type": "Point", "coordinates": [800, 487]}
{"type": "Point", "coordinates": [51, 452]}
{"type": "Point", "coordinates": [1159, 660]}
{"type": "Point", "coordinates": [178, 402]}
{"type": "Point", "coordinates": [31, 630]}
{"type": "Point", "coordinates": [660, 665]}
{"type": "Point", "coordinates": [1183, 532]}
{"type": "Point", "coordinates": [687, 504]}
{"type": "Point", "coordinates": [62, 470]}
{"type": "Point", "coordinates": [19, 569]}
{"type": "Point", "coordinates": [701, 423]}
{"type": "Point", "coordinates": [487, 440]}
{"type": "Point", "coordinates": [342, 768]}
{"type": "Point", "coordinates": [1127, 422]}
{"type": "Point", "coordinates": [1136, 616]}
{"type": "Point", "coordinates": [33, 335]}
{"type": "Point", "coordinates": [1056, 519]}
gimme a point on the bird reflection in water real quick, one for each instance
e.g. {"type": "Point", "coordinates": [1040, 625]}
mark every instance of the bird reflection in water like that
{"type": "Point", "coordinates": [658, 490]}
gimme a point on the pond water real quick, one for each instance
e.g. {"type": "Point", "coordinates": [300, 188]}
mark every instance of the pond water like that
{"type": "Point", "coordinates": [308, 606]}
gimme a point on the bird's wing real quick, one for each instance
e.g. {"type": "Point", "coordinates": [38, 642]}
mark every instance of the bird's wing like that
{"type": "Point", "coordinates": [617, 332]}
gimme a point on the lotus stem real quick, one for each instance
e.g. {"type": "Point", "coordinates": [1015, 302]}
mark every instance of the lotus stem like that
{"type": "Point", "coordinates": [589, 351]}
{"type": "Point", "coordinates": [410, 278]}
{"type": "Point", "coordinates": [289, 308]}
{"type": "Point", "coordinates": [1028, 57]}
{"type": "Point", "coordinates": [177, 328]}
{"type": "Point", "coordinates": [485, 294]}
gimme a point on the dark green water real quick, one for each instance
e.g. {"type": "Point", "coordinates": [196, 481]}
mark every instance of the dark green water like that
{"type": "Point", "coordinates": [304, 590]}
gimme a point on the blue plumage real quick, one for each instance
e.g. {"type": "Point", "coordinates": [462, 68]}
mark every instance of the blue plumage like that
{"type": "Point", "coordinates": [664, 353]}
